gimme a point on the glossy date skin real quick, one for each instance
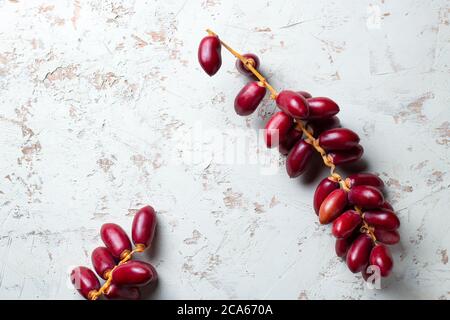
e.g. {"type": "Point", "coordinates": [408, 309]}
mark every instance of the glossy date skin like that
{"type": "Point", "coordinates": [134, 273]}
{"type": "Point", "coordinates": [358, 253]}
{"type": "Point", "coordinates": [321, 108]}
{"type": "Point", "coordinates": [254, 60]}
{"type": "Point", "coordinates": [338, 139]}
{"type": "Point", "coordinates": [298, 158]}
{"type": "Point", "coordinates": [293, 104]}
{"type": "Point", "coordinates": [249, 98]}
{"type": "Point", "coordinates": [324, 188]}
{"type": "Point", "coordinates": [85, 281]}
{"type": "Point", "coordinates": [276, 129]}
{"type": "Point", "coordinates": [116, 292]}
{"type": "Point", "coordinates": [102, 261]}
{"type": "Point", "coordinates": [381, 257]}
{"type": "Point", "coordinates": [382, 219]}
{"type": "Point", "coordinates": [143, 227]}
{"type": "Point", "coordinates": [368, 179]}
{"type": "Point", "coordinates": [115, 239]}
{"type": "Point", "coordinates": [332, 206]}
{"type": "Point", "coordinates": [346, 223]}
{"type": "Point", "coordinates": [347, 156]}
{"type": "Point", "coordinates": [209, 54]}
{"type": "Point", "coordinates": [367, 197]}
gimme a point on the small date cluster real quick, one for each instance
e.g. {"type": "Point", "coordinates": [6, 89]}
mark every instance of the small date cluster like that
{"type": "Point", "coordinates": [113, 262]}
{"type": "Point", "coordinates": [363, 222]}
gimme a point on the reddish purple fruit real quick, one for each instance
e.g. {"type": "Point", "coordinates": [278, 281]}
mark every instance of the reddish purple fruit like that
{"type": "Point", "coordinates": [382, 219]}
{"type": "Point", "coordinates": [386, 205]}
{"type": "Point", "coordinates": [209, 54]}
{"type": "Point", "coordinates": [346, 223]}
{"type": "Point", "coordinates": [359, 252]}
{"type": "Point", "coordinates": [293, 104]}
{"type": "Point", "coordinates": [319, 126]}
{"type": "Point", "coordinates": [116, 240]}
{"type": "Point", "coordinates": [254, 60]}
{"type": "Point", "coordinates": [305, 94]}
{"type": "Point", "coordinates": [367, 197]}
{"type": "Point", "coordinates": [144, 225]}
{"type": "Point", "coordinates": [115, 292]}
{"type": "Point", "coordinates": [386, 236]}
{"type": "Point", "coordinates": [85, 281]}
{"type": "Point", "coordinates": [368, 179]}
{"type": "Point", "coordinates": [134, 273]}
{"type": "Point", "coordinates": [381, 257]}
{"type": "Point", "coordinates": [332, 206]}
{"type": "Point", "coordinates": [348, 156]}
{"type": "Point", "coordinates": [277, 128]}
{"type": "Point", "coordinates": [321, 108]}
{"type": "Point", "coordinates": [292, 136]}
{"type": "Point", "coordinates": [102, 261]}
{"type": "Point", "coordinates": [338, 139]}
{"type": "Point", "coordinates": [249, 98]}
{"type": "Point", "coordinates": [324, 188]}
{"type": "Point", "coordinates": [298, 158]}
{"type": "Point", "coordinates": [341, 247]}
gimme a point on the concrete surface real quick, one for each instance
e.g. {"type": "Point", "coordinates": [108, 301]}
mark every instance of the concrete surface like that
{"type": "Point", "coordinates": [99, 101]}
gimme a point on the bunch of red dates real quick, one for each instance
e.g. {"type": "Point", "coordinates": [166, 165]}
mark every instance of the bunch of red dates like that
{"type": "Point", "coordinates": [113, 262]}
{"type": "Point", "coordinates": [363, 222]}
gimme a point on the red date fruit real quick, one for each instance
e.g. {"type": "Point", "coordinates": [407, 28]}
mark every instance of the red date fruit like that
{"type": "Point", "coordinates": [386, 205]}
{"type": "Point", "coordinates": [134, 273]}
{"type": "Point", "coordinates": [341, 247]}
{"type": "Point", "coordinates": [292, 136]}
{"type": "Point", "coordinates": [115, 292]}
{"type": "Point", "coordinates": [332, 206]}
{"type": "Point", "coordinates": [85, 281]}
{"type": "Point", "coordinates": [249, 98]}
{"type": "Point", "coordinates": [324, 188]}
{"type": "Point", "coordinates": [382, 219]}
{"type": "Point", "coordinates": [209, 54]}
{"type": "Point", "coordinates": [358, 253]}
{"type": "Point", "coordinates": [298, 158]}
{"type": "Point", "coordinates": [346, 223]}
{"type": "Point", "coordinates": [386, 236]}
{"type": "Point", "coordinates": [381, 257]}
{"type": "Point", "coordinates": [293, 104]}
{"type": "Point", "coordinates": [102, 261]}
{"type": "Point", "coordinates": [319, 126]}
{"type": "Point", "coordinates": [365, 197]}
{"type": "Point", "coordinates": [321, 107]}
{"type": "Point", "coordinates": [348, 156]}
{"type": "Point", "coordinates": [305, 94]}
{"type": "Point", "coordinates": [277, 128]}
{"type": "Point", "coordinates": [338, 139]}
{"type": "Point", "coordinates": [254, 60]}
{"type": "Point", "coordinates": [144, 225]}
{"type": "Point", "coordinates": [115, 239]}
{"type": "Point", "coordinates": [368, 179]}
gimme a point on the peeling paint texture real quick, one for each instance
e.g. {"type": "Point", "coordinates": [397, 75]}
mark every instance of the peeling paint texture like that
{"type": "Point", "coordinates": [97, 96]}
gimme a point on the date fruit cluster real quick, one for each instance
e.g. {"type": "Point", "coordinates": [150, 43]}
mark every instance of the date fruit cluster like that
{"type": "Point", "coordinates": [113, 261]}
{"type": "Point", "coordinates": [363, 222]}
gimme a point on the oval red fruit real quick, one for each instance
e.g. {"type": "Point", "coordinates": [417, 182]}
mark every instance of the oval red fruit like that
{"type": "Point", "coordinates": [346, 223]}
{"type": "Point", "coordinates": [115, 292]}
{"type": "Point", "coordinates": [277, 128]}
{"type": "Point", "coordinates": [209, 54]}
{"type": "Point", "coordinates": [386, 205]}
{"type": "Point", "coordinates": [144, 225]}
{"type": "Point", "coordinates": [321, 108]}
{"type": "Point", "coordinates": [254, 60]}
{"type": "Point", "coordinates": [358, 253]}
{"type": "Point", "coordinates": [386, 236]}
{"type": "Point", "coordinates": [85, 281]}
{"type": "Point", "coordinates": [368, 179]}
{"type": "Point", "coordinates": [382, 219]}
{"type": "Point", "coordinates": [338, 139]}
{"type": "Point", "coordinates": [298, 158]}
{"type": "Point", "coordinates": [115, 239]}
{"type": "Point", "coordinates": [321, 125]}
{"type": "Point", "coordinates": [293, 104]}
{"type": "Point", "coordinates": [332, 206]}
{"type": "Point", "coordinates": [102, 261]}
{"type": "Point", "coordinates": [249, 98]}
{"type": "Point", "coordinates": [305, 94]}
{"type": "Point", "coordinates": [292, 136]}
{"type": "Point", "coordinates": [134, 273]}
{"type": "Point", "coordinates": [348, 156]}
{"type": "Point", "coordinates": [381, 257]}
{"type": "Point", "coordinates": [367, 197]}
{"type": "Point", "coordinates": [324, 188]}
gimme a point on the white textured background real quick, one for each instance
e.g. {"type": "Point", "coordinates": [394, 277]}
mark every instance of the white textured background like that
{"type": "Point", "coordinates": [96, 95]}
